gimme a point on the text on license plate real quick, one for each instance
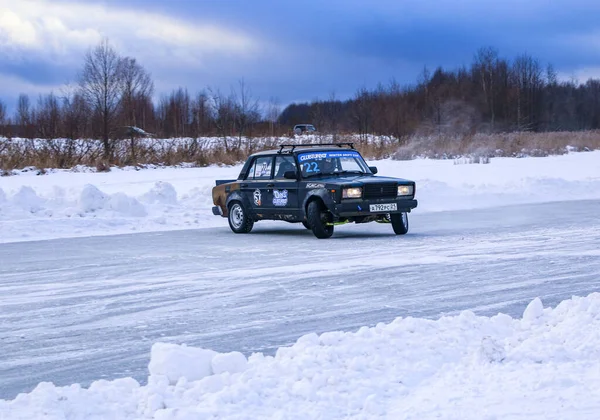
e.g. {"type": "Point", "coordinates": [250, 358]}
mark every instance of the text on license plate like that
{"type": "Point", "coordinates": [383, 207]}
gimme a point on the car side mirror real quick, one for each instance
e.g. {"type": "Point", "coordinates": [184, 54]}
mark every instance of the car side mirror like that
{"type": "Point", "coordinates": [290, 175]}
{"type": "Point", "coordinates": [373, 169]}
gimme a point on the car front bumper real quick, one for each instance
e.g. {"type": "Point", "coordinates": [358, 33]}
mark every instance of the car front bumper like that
{"type": "Point", "coordinates": [352, 208]}
{"type": "Point", "coordinates": [217, 211]}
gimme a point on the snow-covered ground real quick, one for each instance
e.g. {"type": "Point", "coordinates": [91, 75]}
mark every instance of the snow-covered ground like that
{"type": "Point", "coordinates": [545, 365]}
{"type": "Point", "coordinates": [122, 307]}
{"type": "Point", "coordinates": [70, 204]}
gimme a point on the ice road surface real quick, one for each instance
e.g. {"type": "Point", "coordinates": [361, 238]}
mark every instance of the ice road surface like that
{"type": "Point", "coordinates": [78, 310]}
{"type": "Point", "coordinates": [70, 204]}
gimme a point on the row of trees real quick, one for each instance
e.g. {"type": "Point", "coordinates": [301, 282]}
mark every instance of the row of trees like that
{"type": "Point", "coordinates": [113, 98]}
{"type": "Point", "coordinates": [493, 94]}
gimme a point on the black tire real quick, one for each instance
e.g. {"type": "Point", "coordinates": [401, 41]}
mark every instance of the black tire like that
{"type": "Point", "coordinates": [399, 223]}
{"type": "Point", "coordinates": [306, 225]}
{"type": "Point", "coordinates": [317, 222]}
{"type": "Point", "coordinates": [239, 222]}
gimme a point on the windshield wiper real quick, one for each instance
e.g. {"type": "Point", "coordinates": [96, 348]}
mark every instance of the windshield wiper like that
{"type": "Point", "coordinates": [334, 173]}
{"type": "Point", "coordinates": [314, 175]}
{"type": "Point", "coordinates": [350, 172]}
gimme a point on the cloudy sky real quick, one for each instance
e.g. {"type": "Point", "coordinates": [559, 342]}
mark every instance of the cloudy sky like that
{"type": "Point", "coordinates": [289, 50]}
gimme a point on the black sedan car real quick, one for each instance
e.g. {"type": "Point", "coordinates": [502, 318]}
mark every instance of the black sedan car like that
{"type": "Point", "coordinates": [318, 185]}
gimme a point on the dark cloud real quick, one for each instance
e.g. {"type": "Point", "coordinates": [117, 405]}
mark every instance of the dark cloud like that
{"type": "Point", "coordinates": [315, 47]}
{"type": "Point", "coordinates": [39, 72]}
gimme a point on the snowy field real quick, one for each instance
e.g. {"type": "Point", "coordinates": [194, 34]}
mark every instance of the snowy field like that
{"type": "Point", "coordinates": [485, 310]}
{"type": "Point", "coordinates": [70, 204]}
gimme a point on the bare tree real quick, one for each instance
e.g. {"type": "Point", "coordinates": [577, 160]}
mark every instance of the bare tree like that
{"type": "Point", "coordinates": [223, 109]}
{"type": "Point", "coordinates": [177, 113]}
{"type": "Point", "coordinates": [75, 113]}
{"type": "Point", "coordinates": [48, 116]}
{"type": "Point", "coordinates": [486, 61]}
{"type": "Point", "coordinates": [332, 114]}
{"type": "Point", "coordinates": [201, 118]}
{"type": "Point", "coordinates": [361, 112]}
{"type": "Point", "coordinates": [2, 117]}
{"type": "Point", "coordinates": [550, 98]}
{"type": "Point", "coordinates": [101, 83]}
{"type": "Point", "coordinates": [137, 85]}
{"type": "Point", "coordinates": [24, 117]}
{"type": "Point", "coordinates": [527, 78]}
{"type": "Point", "coordinates": [273, 111]}
{"type": "Point", "coordinates": [247, 110]}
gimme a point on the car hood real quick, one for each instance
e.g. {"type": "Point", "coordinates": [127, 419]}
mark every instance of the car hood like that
{"type": "Point", "coordinates": [356, 179]}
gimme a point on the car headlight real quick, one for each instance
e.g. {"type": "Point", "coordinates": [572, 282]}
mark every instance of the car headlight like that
{"type": "Point", "coordinates": [355, 192]}
{"type": "Point", "coordinates": [405, 190]}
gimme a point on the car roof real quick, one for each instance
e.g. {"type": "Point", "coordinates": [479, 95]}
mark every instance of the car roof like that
{"type": "Point", "coordinates": [301, 150]}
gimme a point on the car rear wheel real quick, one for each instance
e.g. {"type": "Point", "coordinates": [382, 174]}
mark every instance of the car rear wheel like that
{"type": "Point", "coordinates": [399, 223]}
{"type": "Point", "coordinates": [306, 225]}
{"type": "Point", "coordinates": [239, 222]}
{"type": "Point", "coordinates": [317, 220]}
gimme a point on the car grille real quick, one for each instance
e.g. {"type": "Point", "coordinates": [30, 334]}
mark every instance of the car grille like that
{"type": "Point", "coordinates": [380, 190]}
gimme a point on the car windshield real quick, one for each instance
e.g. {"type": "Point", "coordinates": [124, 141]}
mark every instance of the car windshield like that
{"type": "Point", "coordinates": [315, 164]}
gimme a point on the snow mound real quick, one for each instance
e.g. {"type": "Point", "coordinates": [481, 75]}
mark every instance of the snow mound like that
{"type": "Point", "coordinates": [177, 362]}
{"type": "Point", "coordinates": [534, 310]}
{"type": "Point", "coordinates": [233, 362]}
{"type": "Point", "coordinates": [27, 200]}
{"type": "Point", "coordinates": [161, 193]}
{"type": "Point", "coordinates": [126, 205]}
{"type": "Point", "coordinates": [92, 199]}
{"type": "Point", "coordinates": [50, 211]}
{"type": "Point", "coordinates": [464, 366]}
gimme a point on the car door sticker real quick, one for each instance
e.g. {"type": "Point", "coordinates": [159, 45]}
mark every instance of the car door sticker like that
{"type": "Point", "coordinates": [257, 197]}
{"type": "Point", "coordinates": [280, 198]}
{"type": "Point", "coordinates": [264, 169]}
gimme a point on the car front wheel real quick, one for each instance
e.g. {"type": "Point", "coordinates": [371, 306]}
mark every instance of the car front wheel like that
{"type": "Point", "coordinates": [399, 223]}
{"type": "Point", "coordinates": [239, 222]}
{"type": "Point", "coordinates": [317, 220]}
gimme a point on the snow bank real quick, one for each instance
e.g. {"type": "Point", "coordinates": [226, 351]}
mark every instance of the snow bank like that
{"type": "Point", "coordinates": [176, 362]}
{"type": "Point", "coordinates": [543, 366]}
{"type": "Point", "coordinates": [69, 204]}
{"type": "Point", "coordinates": [161, 193]}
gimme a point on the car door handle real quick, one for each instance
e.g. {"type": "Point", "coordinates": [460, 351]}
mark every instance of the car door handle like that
{"type": "Point", "coordinates": [244, 185]}
{"type": "Point", "coordinates": [270, 185]}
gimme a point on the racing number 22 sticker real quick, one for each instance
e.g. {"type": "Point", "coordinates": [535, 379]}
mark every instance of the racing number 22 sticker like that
{"type": "Point", "coordinates": [311, 167]}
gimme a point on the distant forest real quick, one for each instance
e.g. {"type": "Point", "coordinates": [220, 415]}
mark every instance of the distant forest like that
{"type": "Point", "coordinates": [493, 94]}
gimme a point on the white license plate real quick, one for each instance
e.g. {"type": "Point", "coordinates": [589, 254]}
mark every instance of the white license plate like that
{"type": "Point", "coordinates": [383, 207]}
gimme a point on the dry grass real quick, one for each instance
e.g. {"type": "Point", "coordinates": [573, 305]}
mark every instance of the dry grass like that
{"type": "Point", "coordinates": [66, 153]}
{"type": "Point", "coordinates": [517, 144]}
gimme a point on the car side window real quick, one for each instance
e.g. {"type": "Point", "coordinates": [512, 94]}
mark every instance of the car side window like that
{"type": "Point", "coordinates": [284, 164]}
{"type": "Point", "coordinates": [250, 174]}
{"type": "Point", "coordinates": [261, 169]}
